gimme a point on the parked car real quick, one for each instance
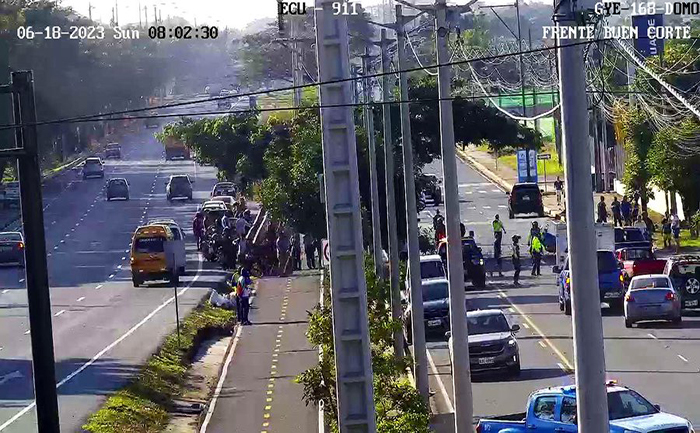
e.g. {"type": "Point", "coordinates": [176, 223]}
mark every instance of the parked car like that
{"type": "Point", "coordinates": [214, 205]}
{"type": "Point", "coordinates": [113, 150]}
{"type": "Point", "coordinates": [223, 188]}
{"type": "Point", "coordinates": [12, 248]}
{"type": "Point", "coordinates": [639, 261]}
{"type": "Point", "coordinates": [684, 272]}
{"type": "Point", "coordinates": [117, 188]}
{"type": "Point", "coordinates": [492, 343]}
{"type": "Point", "coordinates": [553, 410]}
{"type": "Point", "coordinates": [178, 242]}
{"type": "Point", "coordinates": [651, 297]}
{"type": "Point", "coordinates": [525, 197]}
{"type": "Point", "coordinates": [436, 309]}
{"type": "Point", "coordinates": [179, 186]}
{"type": "Point", "coordinates": [472, 259]}
{"type": "Point", "coordinates": [610, 282]}
{"type": "Point", "coordinates": [228, 200]}
{"type": "Point", "coordinates": [11, 195]}
{"type": "Point", "coordinates": [93, 168]}
{"type": "Point", "coordinates": [431, 267]}
{"type": "Point", "coordinates": [152, 255]}
{"type": "Point", "coordinates": [631, 237]}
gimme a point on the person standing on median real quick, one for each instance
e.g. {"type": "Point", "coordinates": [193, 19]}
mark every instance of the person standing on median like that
{"type": "Point", "coordinates": [516, 260]}
{"type": "Point", "coordinates": [617, 214]}
{"type": "Point", "coordinates": [536, 250]}
{"type": "Point", "coordinates": [602, 211]}
{"type": "Point", "coordinates": [243, 292]}
{"type": "Point", "coordinates": [559, 188]}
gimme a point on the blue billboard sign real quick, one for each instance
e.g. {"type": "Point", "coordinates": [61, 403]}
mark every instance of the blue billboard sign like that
{"type": "Point", "coordinates": [648, 46]}
{"type": "Point", "coordinates": [523, 161]}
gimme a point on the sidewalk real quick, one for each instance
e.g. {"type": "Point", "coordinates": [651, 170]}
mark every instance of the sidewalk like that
{"type": "Point", "coordinates": [506, 177]}
{"type": "Point", "coordinates": [259, 393]}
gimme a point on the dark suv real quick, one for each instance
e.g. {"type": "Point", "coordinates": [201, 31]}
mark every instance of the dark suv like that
{"type": "Point", "coordinates": [179, 186]}
{"type": "Point", "coordinates": [113, 150]}
{"type": "Point", "coordinates": [117, 188]}
{"type": "Point", "coordinates": [436, 309]}
{"type": "Point", "coordinates": [684, 271]}
{"type": "Point", "coordinates": [472, 259]}
{"type": "Point", "coordinates": [525, 198]}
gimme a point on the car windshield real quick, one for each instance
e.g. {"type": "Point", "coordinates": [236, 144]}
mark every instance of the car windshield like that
{"type": "Point", "coordinates": [431, 269]}
{"type": "Point", "coordinates": [179, 181]}
{"type": "Point", "coordinates": [487, 324]}
{"type": "Point", "coordinates": [10, 237]}
{"type": "Point", "coordinates": [435, 292]}
{"type": "Point", "coordinates": [634, 236]}
{"type": "Point", "coordinates": [525, 191]}
{"type": "Point", "coordinates": [92, 163]}
{"type": "Point", "coordinates": [651, 282]}
{"type": "Point", "coordinates": [117, 182]}
{"type": "Point", "coordinates": [638, 254]}
{"type": "Point", "coordinates": [628, 404]}
{"type": "Point", "coordinates": [153, 244]}
{"type": "Point", "coordinates": [606, 261]}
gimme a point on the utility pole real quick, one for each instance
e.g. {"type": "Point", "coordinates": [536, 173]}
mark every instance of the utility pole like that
{"type": "Point", "coordinates": [116, 13]}
{"type": "Point", "coordinates": [140, 15]}
{"type": "Point", "coordinates": [420, 364]}
{"type": "Point", "coordinates": [461, 374]}
{"type": "Point", "coordinates": [355, 393]}
{"type": "Point", "coordinates": [374, 188]}
{"type": "Point", "coordinates": [38, 298]}
{"type": "Point", "coordinates": [155, 15]}
{"type": "Point", "coordinates": [295, 77]}
{"type": "Point", "coordinates": [589, 355]}
{"type": "Point", "coordinates": [390, 197]}
{"type": "Point", "coordinates": [522, 68]}
{"type": "Point", "coordinates": [145, 15]}
{"type": "Point", "coordinates": [90, 11]}
{"type": "Point", "coordinates": [534, 88]}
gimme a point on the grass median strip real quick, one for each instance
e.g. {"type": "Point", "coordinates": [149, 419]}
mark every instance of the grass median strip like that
{"type": "Point", "coordinates": [144, 404]}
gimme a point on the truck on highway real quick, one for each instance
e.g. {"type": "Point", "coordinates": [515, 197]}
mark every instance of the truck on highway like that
{"type": "Point", "coordinates": [175, 148]}
{"type": "Point", "coordinates": [553, 410]}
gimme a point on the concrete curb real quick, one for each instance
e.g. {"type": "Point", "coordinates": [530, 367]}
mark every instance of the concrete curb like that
{"type": "Point", "coordinates": [493, 177]}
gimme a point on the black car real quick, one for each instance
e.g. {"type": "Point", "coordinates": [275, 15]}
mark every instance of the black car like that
{"type": "Point", "coordinates": [436, 309]}
{"type": "Point", "coordinates": [179, 186]}
{"type": "Point", "coordinates": [117, 188]}
{"type": "Point", "coordinates": [12, 248]}
{"type": "Point", "coordinates": [492, 343]}
{"type": "Point", "coordinates": [113, 150]}
{"type": "Point", "coordinates": [472, 259]}
{"type": "Point", "coordinates": [431, 187]}
{"type": "Point", "coordinates": [525, 198]}
{"type": "Point", "coordinates": [684, 271]}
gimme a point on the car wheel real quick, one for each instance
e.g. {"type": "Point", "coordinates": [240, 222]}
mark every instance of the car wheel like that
{"type": "Point", "coordinates": [567, 308]}
{"type": "Point", "coordinates": [479, 280]}
{"type": "Point", "coordinates": [677, 320]}
{"type": "Point", "coordinates": [514, 371]}
{"type": "Point", "coordinates": [618, 305]}
{"type": "Point", "coordinates": [541, 213]}
{"type": "Point", "coordinates": [628, 323]}
{"type": "Point", "coordinates": [108, 198]}
{"type": "Point", "coordinates": [127, 197]}
{"type": "Point", "coordinates": [136, 281]}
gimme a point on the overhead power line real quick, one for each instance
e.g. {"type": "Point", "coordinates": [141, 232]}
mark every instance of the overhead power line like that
{"type": "Point", "coordinates": [103, 116]}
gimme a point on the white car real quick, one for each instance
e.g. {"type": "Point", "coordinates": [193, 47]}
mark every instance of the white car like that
{"type": "Point", "coordinates": [178, 242]}
{"type": "Point", "coordinates": [214, 205]}
{"type": "Point", "coordinates": [431, 267]}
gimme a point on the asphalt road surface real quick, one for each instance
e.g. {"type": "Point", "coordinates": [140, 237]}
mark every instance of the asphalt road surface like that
{"type": "Point", "coordinates": [258, 393]}
{"type": "Point", "coordinates": [660, 361]}
{"type": "Point", "coordinates": [103, 327]}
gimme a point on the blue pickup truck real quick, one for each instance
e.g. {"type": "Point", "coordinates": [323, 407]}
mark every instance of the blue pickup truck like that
{"type": "Point", "coordinates": [611, 282]}
{"type": "Point", "coordinates": [553, 410]}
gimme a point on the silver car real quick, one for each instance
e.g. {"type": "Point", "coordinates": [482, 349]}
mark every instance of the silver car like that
{"type": "Point", "coordinates": [651, 297]}
{"type": "Point", "coordinates": [12, 248]}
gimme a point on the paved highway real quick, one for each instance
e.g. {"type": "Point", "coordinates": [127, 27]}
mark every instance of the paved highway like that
{"type": "Point", "coordinates": [658, 360]}
{"type": "Point", "coordinates": [104, 328]}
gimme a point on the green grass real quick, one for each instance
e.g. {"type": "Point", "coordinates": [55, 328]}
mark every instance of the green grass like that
{"type": "Point", "coordinates": [685, 239]}
{"type": "Point", "coordinates": [142, 406]}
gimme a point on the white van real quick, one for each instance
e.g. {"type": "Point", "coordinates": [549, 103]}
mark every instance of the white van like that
{"type": "Point", "coordinates": [178, 243]}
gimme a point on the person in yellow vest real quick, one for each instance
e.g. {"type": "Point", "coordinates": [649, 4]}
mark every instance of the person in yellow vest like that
{"type": "Point", "coordinates": [536, 250]}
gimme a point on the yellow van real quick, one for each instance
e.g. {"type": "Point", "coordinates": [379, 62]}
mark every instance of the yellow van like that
{"type": "Point", "coordinates": [152, 255]}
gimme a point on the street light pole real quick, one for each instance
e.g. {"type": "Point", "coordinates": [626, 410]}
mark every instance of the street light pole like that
{"type": "Point", "coordinates": [420, 369]}
{"type": "Point", "coordinates": [455, 268]}
{"type": "Point", "coordinates": [390, 199]}
{"type": "Point", "coordinates": [589, 353]}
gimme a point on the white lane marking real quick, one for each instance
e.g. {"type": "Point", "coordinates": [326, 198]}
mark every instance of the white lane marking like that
{"type": "Point", "coordinates": [481, 191]}
{"type": "Point", "coordinates": [486, 207]}
{"type": "Point", "coordinates": [467, 185]}
{"type": "Point", "coordinates": [59, 313]}
{"type": "Point", "coordinates": [441, 385]}
{"type": "Point", "coordinates": [105, 350]}
{"type": "Point", "coordinates": [8, 377]}
{"type": "Point", "coordinates": [77, 224]}
{"type": "Point", "coordinates": [27, 332]}
{"type": "Point", "coordinates": [542, 344]}
{"type": "Point", "coordinates": [502, 206]}
{"type": "Point", "coordinates": [683, 358]}
{"type": "Point", "coordinates": [119, 267]}
{"type": "Point", "coordinates": [124, 258]}
{"type": "Point", "coordinates": [53, 222]}
{"type": "Point", "coordinates": [111, 276]}
{"type": "Point", "coordinates": [511, 310]}
{"type": "Point", "coordinates": [653, 336]}
{"type": "Point", "coordinates": [560, 365]}
{"type": "Point", "coordinates": [80, 299]}
{"type": "Point", "coordinates": [55, 248]}
{"type": "Point", "coordinates": [495, 190]}
{"type": "Point", "coordinates": [526, 326]}
{"type": "Point", "coordinates": [98, 287]}
{"type": "Point", "coordinates": [220, 384]}
{"type": "Point", "coordinates": [5, 291]}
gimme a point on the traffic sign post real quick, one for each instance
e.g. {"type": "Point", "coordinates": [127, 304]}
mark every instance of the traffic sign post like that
{"type": "Point", "coordinates": [544, 157]}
